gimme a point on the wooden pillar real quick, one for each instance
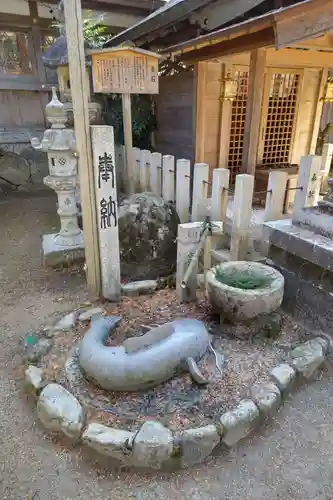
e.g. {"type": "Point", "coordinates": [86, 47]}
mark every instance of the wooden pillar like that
{"type": "Point", "coordinates": [225, 121]}
{"type": "Point", "coordinates": [200, 118]}
{"type": "Point", "coordinates": [318, 111]}
{"type": "Point", "coordinates": [77, 73]}
{"type": "Point", "coordinates": [253, 110]}
{"type": "Point", "coordinates": [127, 121]}
{"type": "Point", "coordinates": [35, 43]}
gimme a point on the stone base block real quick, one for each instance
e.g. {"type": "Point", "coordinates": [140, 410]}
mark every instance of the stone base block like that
{"type": "Point", "coordinates": [267, 397]}
{"type": "Point", "coordinates": [107, 441]}
{"type": "Point", "coordinates": [153, 445]}
{"type": "Point", "coordinates": [54, 255]}
{"type": "Point", "coordinates": [239, 422]}
{"type": "Point", "coordinates": [136, 288]}
{"type": "Point", "coordinates": [60, 411]}
{"type": "Point", "coordinates": [197, 444]}
{"type": "Point", "coordinates": [308, 357]}
{"type": "Point", "coordinates": [284, 377]}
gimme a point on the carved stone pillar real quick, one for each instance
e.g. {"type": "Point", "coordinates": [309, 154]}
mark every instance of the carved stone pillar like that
{"type": "Point", "coordinates": [59, 144]}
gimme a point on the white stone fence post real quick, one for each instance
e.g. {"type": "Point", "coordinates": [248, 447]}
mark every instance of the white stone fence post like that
{"type": "Point", "coordinates": [326, 162]}
{"type": "Point", "coordinates": [242, 212]}
{"type": "Point", "coordinates": [179, 182]}
{"type": "Point", "coordinates": [308, 185]}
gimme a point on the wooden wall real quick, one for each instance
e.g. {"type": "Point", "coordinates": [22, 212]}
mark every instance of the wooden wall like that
{"type": "Point", "coordinates": [208, 113]}
{"type": "Point", "coordinates": [175, 115]}
{"type": "Point", "coordinates": [21, 109]}
{"type": "Point", "coordinates": [211, 124]}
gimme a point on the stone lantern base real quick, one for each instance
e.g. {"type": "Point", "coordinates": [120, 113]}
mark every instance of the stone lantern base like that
{"type": "Point", "coordinates": [54, 255]}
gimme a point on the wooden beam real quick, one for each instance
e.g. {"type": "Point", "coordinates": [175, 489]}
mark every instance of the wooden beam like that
{"type": "Point", "coordinates": [33, 9]}
{"type": "Point", "coordinates": [245, 43]}
{"type": "Point", "coordinates": [293, 58]}
{"type": "Point", "coordinates": [128, 141]}
{"type": "Point", "coordinates": [253, 110]}
{"type": "Point", "coordinates": [21, 83]}
{"type": "Point", "coordinates": [9, 20]}
{"type": "Point", "coordinates": [303, 22]}
{"type": "Point", "coordinates": [318, 111]}
{"type": "Point", "coordinates": [200, 115]}
{"type": "Point", "coordinates": [78, 80]}
{"type": "Point", "coordinates": [140, 8]}
{"type": "Point", "coordinates": [35, 38]}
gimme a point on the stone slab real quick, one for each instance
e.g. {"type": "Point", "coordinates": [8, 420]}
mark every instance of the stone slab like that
{"type": "Point", "coordinates": [108, 441]}
{"type": "Point", "coordinates": [135, 288]}
{"type": "Point", "coordinates": [267, 397]}
{"type": "Point", "coordinates": [301, 241]}
{"type": "Point", "coordinates": [153, 445]}
{"type": "Point", "coordinates": [239, 422]}
{"type": "Point", "coordinates": [67, 322]}
{"type": "Point", "coordinates": [39, 350]}
{"type": "Point", "coordinates": [34, 379]}
{"type": "Point", "coordinates": [60, 411]}
{"type": "Point", "coordinates": [197, 444]}
{"type": "Point", "coordinates": [308, 357]}
{"type": "Point", "coordinates": [89, 313]}
{"type": "Point", "coordinates": [54, 255]}
{"type": "Point", "coordinates": [284, 377]}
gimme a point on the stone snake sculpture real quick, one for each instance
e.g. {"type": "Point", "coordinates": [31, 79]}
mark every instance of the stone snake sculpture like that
{"type": "Point", "coordinates": [145, 361]}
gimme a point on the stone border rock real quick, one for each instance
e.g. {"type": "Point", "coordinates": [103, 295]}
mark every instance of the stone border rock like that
{"type": "Point", "coordinates": [156, 447]}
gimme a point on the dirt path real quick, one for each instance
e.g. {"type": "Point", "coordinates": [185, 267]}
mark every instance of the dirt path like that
{"type": "Point", "coordinates": [290, 460]}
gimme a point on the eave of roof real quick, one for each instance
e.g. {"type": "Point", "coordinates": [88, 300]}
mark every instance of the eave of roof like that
{"type": "Point", "coordinates": [173, 11]}
{"type": "Point", "coordinates": [244, 28]}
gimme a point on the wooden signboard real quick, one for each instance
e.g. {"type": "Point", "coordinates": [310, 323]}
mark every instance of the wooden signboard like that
{"type": "Point", "coordinates": [125, 70]}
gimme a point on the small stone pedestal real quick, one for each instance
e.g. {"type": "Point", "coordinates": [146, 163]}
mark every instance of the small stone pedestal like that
{"type": "Point", "coordinates": [58, 142]}
{"type": "Point", "coordinates": [54, 255]}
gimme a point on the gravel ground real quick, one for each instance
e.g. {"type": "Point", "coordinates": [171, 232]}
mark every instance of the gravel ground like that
{"type": "Point", "coordinates": [289, 460]}
{"type": "Point", "coordinates": [178, 403]}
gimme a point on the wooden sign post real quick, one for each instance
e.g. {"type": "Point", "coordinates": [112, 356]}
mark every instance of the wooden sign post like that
{"type": "Point", "coordinates": [125, 70]}
{"type": "Point", "coordinates": [77, 73]}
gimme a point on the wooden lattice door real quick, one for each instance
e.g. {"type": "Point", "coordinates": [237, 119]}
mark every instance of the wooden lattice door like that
{"type": "Point", "coordinates": [279, 113]}
{"type": "Point", "coordinates": [238, 113]}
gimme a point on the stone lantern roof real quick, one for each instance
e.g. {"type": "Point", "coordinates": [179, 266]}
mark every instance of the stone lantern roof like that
{"type": "Point", "coordinates": [57, 54]}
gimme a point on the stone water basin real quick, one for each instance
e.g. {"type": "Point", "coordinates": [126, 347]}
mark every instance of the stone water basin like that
{"type": "Point", "coordinates": [243, 290]}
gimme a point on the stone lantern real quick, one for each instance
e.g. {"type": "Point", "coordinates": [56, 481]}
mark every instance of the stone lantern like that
{"type": "Point", "coordinates": [56, 57]}
{"type": "Point", "coordinates": [59, 144]}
